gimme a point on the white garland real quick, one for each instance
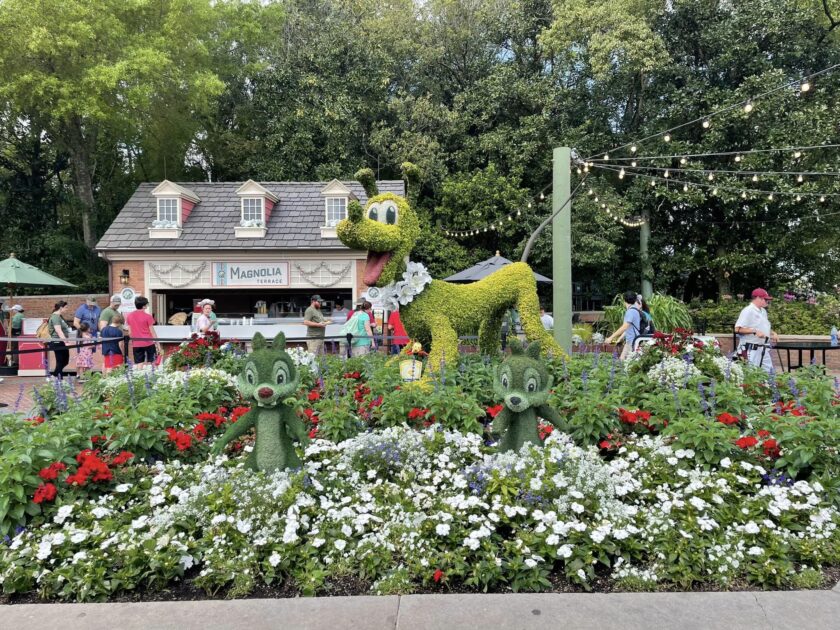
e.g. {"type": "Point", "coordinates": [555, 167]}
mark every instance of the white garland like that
{"type": "Point", "coordinates": [415, 279]}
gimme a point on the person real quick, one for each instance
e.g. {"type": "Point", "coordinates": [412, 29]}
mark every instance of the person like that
{"type": "Point", "coordinates": [316, 325]}
{"type": "Point", "coordinates": [546, 319]}
{"type": "Point", "coordinates": [112, 356]}
{"type": "Point", "coordinates": [398, 335]}
{"type": "Point", "coordinates": [631, 325]}
{"type": "Point", "coordinates": [84, 355]}
{"type": "Point", "coordinates": [340, 314]}
{"type": "Point", "coordinates": [59, 336]}
{"type": "Point", "coordinates": [362, 341]}
{"type": "Point", "coordinates": [754, 327]}
{"type": "Point", "coordinates": [140, 324]}
{"type": "Point", "coordinates": [214, 324]}
{"type": "Point", "coordinates": [108, 313]}
{"type": "Point", "coordinates": [17, 330]}
{"type": "Point", "coordinates": [88, 313]}
{"type": "Point", "coordinates": [205, 323]}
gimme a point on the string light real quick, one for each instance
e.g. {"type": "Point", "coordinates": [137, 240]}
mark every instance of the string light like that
{"type": "Point", "coordinates": [667, 137]}
{"type": "Point", "coordinates": [748, 107]}
{"type": "Point", "coordinates": [800, 179]}
{"type": "Point", "coordinates": [737, 158]}
{"type": "Point", "coordinates": [797, 153]}
{"type": "Point", "coordinates": [805, 87]}
{"type": "Point", "coordinates": [633, 149]}
{"type": "Point", "coordinates": [621, 174]}
{"type": "Point", "coordinates": [707, 123]}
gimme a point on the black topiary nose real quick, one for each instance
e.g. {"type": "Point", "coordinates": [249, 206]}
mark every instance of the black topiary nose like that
{"type": "Point", "coordinates": [515, 400]}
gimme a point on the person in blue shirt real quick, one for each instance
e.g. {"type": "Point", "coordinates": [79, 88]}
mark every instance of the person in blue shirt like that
{"type": "Point", "coordinates": [631, 325]}
{"type": "Point", "coordinates": [111, 352]}
{"type": "Point", "coordinates": [88, 313]}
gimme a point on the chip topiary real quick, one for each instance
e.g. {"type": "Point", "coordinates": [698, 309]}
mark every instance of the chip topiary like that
{"type": "Point", "coordinates": [523, 383]}
{"type": "Point", "coordinates": [388, 228]}
{"type": "Point", "coordinates": [267, 379]}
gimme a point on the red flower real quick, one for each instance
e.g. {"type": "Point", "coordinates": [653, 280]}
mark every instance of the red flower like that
{"type": "Point", "coordinates": [199, 432]}
{"type": "Point", "coordinates": [627, 417]}
{"type": "Point", "coordinates": [746, 442]}
{"type": "Point", "coordinates": [122, 458]}
{"type": "Point", "coordinates": [375, 402]}
{"type": "Point", "coordinates": [237, 413]}
{"type": "Point", "coordinates": [763, 433]}
{"type": "Point", "coordinates": [91, 468]}
{"type": "Point", "coordinates": [313, 433]}
{"type": "Point", "coordinates": [96, 439]}
{"type": "Point", "coordinates": [545, 430]}
{"type": "Point", "coordinates": [417, 413]}
{"type": "Point", "coordinates": [610, 443]}
{"type": "Point", "coordinates": [181, 439]}
{"type": "Point", "coordinates": [494, 411]}
{"type": "Point", "coordinates": [437, 576]}
{"type": "Point", "coordinates": [51, 472]}
{"type": "Point", "coordinates": [728, 418]}
{"type": "Point", "coordinates": [314, 395]}
{"type": "Point", "coordinates": [771, 448]}
{"type": "Point", "coordinates": [45, 492]}
{"type": "Point", "coordinates": [353, 375]}
{"type": "Point", "coordinates": [36, 420]}
{"type": "Point", "coordinates": [217, 419]}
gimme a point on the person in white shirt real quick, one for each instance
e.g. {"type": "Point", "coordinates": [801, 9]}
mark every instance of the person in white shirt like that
{"type": "Point", "coordinates": [546, 319]}
{"type": "Point", "coordinates": [754, 328]}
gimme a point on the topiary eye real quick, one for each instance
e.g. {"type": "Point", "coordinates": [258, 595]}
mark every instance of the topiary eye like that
{"type": "Point", "coordinates": [373, 213]}
{"type": "Point", "coordinates": [281, 373]}
{"type": "Point", "coordinates": [505, 380]}
{"type": "Point", "coordinates": [250, 376]}
{"type": "Point", "coordinates": [281, 378]}
{"type": "Point", "coordinates": [390, 209]}
{"type": "Point", "coordinates": [532, 385]}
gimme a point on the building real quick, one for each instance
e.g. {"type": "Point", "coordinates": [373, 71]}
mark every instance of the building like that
{"type": "Point", "coordinates": [256, 248]}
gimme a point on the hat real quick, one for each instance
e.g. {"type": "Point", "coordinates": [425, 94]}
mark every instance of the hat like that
{"type": "Point", "coordinates": [116, 299]}
{"type": "Point", "coordinates": [316, 298]}
{"type": "Point", "coordinates": [17, 307]}
{"type": "Point", "coordinates": [91, 299]}
{"type": "Point", "coordinates": [761, 293]}
{"type": "Point", "coordinates": [207, 301]}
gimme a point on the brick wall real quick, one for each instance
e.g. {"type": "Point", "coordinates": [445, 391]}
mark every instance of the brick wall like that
{"type": "Point", "coordinates": [42, 305]}
{"type": "Point", "coordinates": [361, 287]}
{"type": "Point", "coordinates": [137, 274]}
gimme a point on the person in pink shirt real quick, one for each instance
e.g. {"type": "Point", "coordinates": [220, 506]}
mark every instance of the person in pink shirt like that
{"type": "Point", "coordinates": [140, 324]}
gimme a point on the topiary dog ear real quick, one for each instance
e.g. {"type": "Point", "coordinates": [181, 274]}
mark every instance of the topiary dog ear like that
{"type": "Point", "coordinates": [279, 342]}
{"type": "Point", "coordinates": [367, 179]}
{"type": "Point", "coordinates": [533, 350]}
{"type": "Point", "coordinates": [516, 346]}
{"type": "Point", "coordinates": [258, 342]}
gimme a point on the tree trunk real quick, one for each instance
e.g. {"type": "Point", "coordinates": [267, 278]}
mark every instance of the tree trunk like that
{"type": "Point", "coordinates": [82, 177]}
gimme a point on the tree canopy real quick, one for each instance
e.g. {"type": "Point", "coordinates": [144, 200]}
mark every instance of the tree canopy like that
{"type": "Point", "coordinates": [99, 95]}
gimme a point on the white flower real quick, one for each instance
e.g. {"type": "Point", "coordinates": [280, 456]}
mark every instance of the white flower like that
{"type": "Point", "coordinates": [340, 544]}
{"type": "Point", "coordinates": [317, 542]}
{"type": "Point", "coordinates": [565, 551]}
{"type": "Point", "coordinates": [63, 512]}
{"type": "Point", "coordinates": [186, 561]}
{"type": "Point", "coordinates": [536, 483]}
{"type": "Point", "coordinates": [530, 563]}
{"type": "Point", "coordinates": [44, 550]}
{"type": "Point", "coordinates": [140, 522]}
{"type": "Point", "coordinates": [725, 462]}
{"type": "Point", "coordinates": [442, 529]}
{"type": "Point", "coordinates": [755, 551]}
{"type": "Point", "coordinates": [123, 487]}
{"type": "Point", "coordinates": [577, 508]}
{"type": "Point", "coordinates": [79, 555]}
{"type": "Point", "coordinates": [100, 512]}
{"type": "Point", "coordinates": [243, 526]}
{"type": "Point", "coordinates": [78, 536]}
{"type": "Point", "coordinates": [274, 559]}
{"type": "Point", "coordinates": [751, 528]}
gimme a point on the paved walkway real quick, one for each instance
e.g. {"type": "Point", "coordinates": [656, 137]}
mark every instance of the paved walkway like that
{"type": "Point", "coordinates": [802, 610]}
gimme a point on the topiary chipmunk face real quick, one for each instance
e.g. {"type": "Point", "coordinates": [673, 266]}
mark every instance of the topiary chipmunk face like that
{"type": "Point", "coordinates": [270, 375]}
{"type": "Point", "coordinates": [522, 379]}
{"type": "Point", "coordinates": [387, 228]}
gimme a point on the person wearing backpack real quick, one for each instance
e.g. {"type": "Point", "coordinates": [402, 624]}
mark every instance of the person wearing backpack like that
{"type": "Point", "coordinates": [647, 328]}
{"type": "Point", "coordinates": [632, 324]}
{"type": "Point", "coordinates": [358, 326]}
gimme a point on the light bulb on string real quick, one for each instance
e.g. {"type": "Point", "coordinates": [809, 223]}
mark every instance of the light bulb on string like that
{"type": "Point", "coordinates": [797, 154]}
{"type": "Point", "coordinates": [800, 179]}
{"type": "Point", "coordinates": [633, 149]}
{"type": "Point", "coordinates": [770, 197]}
{"type": "Point", "coordinates": [667, 173]}
{"type": "Point", "coordinates": [542, 196]}
{"type": "Point", "coordinates": [653, 182]}
{"type": "Point", "coordinates": [606, 157]}
{"type": "Point", "coordinates": [667, 137]}
{"type": "Point", "coordinates": [519, 213]}
{"type": "Point", "coordinates": [743, 194]}
{"type": "Point", "coordinates": [755, 178]}
{"type": "Point", "coordinates": [633, 163]}
{"type": "Point", "coordinates": [711, 177]}
{"type": "Point", "coordinates": [805, 86]}
{"type": "Point", "coordinates": [706, 123]}
{"type": "Point", "coordinates": [685, 187]}
{"type": "Point", "coordinates": [588, 193]}
{"type": "Point", "coordinates": [748, 107]}
{"type": "Point", "coordinates": [586, 168]}
{"type": "Point", "coordinates": [621, 174]}
{"type": "Point", "coordinates": [510, 218]}
{"type": "Point", "coordinates": [799, 197]}
{"type": "Point", "coordinates": [596, 199]}
{"type": "Point", "coordinates": [737, 158]}
{"type": "Point", "coordinates": [683, 161]}
{"type": "Point", "coordinates": [822, 199]}
{"type": "Point", "coordinates": [714, 191]}
{"type": "Point", "coordinates": [579, 171]}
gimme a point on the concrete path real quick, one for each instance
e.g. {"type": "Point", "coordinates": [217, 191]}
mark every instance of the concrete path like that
{"type": "Point", "coordinates": [802, 610]}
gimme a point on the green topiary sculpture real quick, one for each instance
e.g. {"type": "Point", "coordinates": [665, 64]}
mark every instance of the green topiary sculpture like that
{"type": "Point", "coordinates": [432, 311]}
{"type": "Point", "coordinates": [269, 376]}
{"type": "Point", "coordinates": [523, 382]}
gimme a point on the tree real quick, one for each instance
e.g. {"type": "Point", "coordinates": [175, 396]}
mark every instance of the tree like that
{"type": "Point", "coordinates": [82, 69]}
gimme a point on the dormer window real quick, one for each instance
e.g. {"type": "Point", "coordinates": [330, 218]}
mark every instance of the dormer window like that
{"type": "Point", "coordinates": [253, 211]}
{"type": "Point", "coordinates": [336, 210]}
{"type": "Point", "coordinates": [257, 203]}
{"type": "Point", "coordinates": [174, 204]}
{"type": "Point", "coordinates": [169, 211]}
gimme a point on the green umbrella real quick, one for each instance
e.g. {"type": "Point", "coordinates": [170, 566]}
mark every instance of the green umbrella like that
{"type": "Point", "coordinates": [14, 272]}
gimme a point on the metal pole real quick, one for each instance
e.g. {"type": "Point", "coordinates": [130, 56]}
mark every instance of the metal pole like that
{"type": "Point", "coordinates": [561, 236]}
{"type": "Point", "coordinates": [644, 239]}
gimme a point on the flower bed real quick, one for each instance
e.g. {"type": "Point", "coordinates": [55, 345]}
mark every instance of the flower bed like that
{"type": "Point", "coordinates": [713, 479]}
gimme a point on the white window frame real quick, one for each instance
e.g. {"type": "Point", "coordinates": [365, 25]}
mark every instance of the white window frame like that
{"type": "Point", "coordinates": [261, 217]}
{"type": "Point", "coordinates": [331, 223]}
{"type": "Point", "coordinates": [165, 201]}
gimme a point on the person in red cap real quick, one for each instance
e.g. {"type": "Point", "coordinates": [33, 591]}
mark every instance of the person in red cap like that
{"type": "Point", "coordinates": [754, 328]}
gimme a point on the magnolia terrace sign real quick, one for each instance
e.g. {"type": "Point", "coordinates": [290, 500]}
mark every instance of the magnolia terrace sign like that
{"type": "Point", "coordinates": [251, 274]}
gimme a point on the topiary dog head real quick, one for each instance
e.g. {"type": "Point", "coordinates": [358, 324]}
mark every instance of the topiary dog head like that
{"type": "Point", "coordinates": [522, 379]}
{"type": "Point", "coordinates": [387, 227]}
{"type": "Point", "coordinates": [269, 374]}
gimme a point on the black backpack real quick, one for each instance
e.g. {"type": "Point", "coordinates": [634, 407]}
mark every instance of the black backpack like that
{"type": "Point", "coordinates": [646, 327]}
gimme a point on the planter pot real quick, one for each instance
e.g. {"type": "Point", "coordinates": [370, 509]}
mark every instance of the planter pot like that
{"type": "Point", "coordinates": [411, 370]}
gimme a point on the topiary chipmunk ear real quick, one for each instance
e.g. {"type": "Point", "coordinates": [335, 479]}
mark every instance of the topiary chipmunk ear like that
{"type": "Point", "coordinates": [258, 342]}
{"type": "Point", "coordinates": [279, 342]}
{"type": "Point", "coordinates": [516, 346]}
{"type": "Point", "coordinates": [533, 350]}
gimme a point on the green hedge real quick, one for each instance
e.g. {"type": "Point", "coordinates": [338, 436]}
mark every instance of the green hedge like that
{"type": "Point", "coordinates": [787, 318]}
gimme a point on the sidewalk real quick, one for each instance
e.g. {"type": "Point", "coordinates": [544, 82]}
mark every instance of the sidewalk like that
{"type": "Point", "coordinates": [803, 610]}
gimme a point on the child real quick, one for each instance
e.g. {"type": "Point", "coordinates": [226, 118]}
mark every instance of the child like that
{"type": "Point", "coordinates": [112, 356]}
{"type": "Point", "coordinates": [84, 357]}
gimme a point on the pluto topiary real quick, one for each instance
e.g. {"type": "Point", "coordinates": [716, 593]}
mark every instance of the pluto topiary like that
{"type": "Point", "coordinates": [268, 377]}
{"type": "Point", "coordinates": [438, 313]}
{"type": "Point", "coordinates": [523, 383]}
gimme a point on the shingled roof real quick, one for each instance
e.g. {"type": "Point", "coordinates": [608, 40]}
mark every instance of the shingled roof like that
{"type": "Point", "coordinates": [295, 221]}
